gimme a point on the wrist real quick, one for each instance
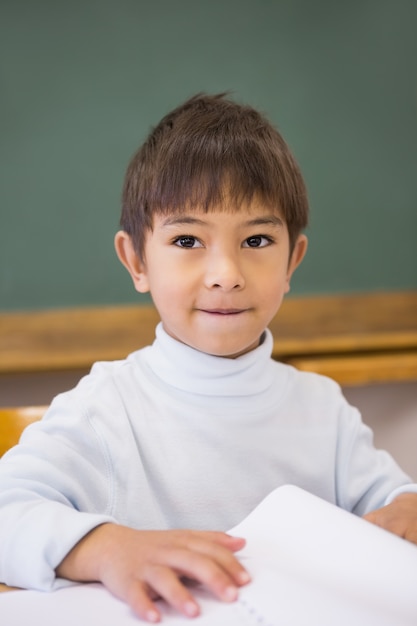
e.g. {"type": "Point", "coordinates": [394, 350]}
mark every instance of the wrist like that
{"type": "Point", "coordinates": [83, 562]}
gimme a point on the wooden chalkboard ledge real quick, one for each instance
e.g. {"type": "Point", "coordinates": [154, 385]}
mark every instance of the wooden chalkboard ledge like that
{"type": "Point", "coordinates": [354, 338]}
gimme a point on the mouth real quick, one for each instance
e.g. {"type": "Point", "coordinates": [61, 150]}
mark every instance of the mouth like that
{"type": "Point", "coordinates": [223, 311]}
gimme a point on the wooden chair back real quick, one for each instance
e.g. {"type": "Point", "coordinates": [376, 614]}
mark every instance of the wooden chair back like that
{"type": "Point", "coordinates": [13, 420]}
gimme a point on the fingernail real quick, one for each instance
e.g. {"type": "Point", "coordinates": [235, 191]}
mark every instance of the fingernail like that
{"type": "Point", "coordinates": [244, 578]}
{"type": "Point", "coordinates": [230, 594]}
{"type": "Point", "coordinates": [191, 609]}
{"type": "Point", "coordinates": [152, 616]}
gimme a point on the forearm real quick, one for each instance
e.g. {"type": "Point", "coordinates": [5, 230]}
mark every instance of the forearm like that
{"type": "Point", "coordinates": [35, 536]}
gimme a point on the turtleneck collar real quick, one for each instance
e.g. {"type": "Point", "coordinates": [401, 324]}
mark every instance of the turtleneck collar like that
{"type": "Point", "coordinates": [190, 370]}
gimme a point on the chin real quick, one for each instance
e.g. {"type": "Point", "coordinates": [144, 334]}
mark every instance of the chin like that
{"type": "Point", "coordinates": [229, 352]}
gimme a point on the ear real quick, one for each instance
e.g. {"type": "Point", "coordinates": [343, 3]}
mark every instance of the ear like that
{"type": "Point", "coordinates": [128, 257]}
{"type": "Point", "coordinates": [298, 254]}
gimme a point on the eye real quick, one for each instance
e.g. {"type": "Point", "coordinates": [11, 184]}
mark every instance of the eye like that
{"type": "Point", "coordinates": [187, 241]}
{"type": "Point", "coordinates": [257, 241]}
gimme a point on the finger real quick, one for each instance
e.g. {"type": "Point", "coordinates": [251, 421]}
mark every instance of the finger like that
{"type": "Point", "coordinates": [138, 598]}
{"type": "Point", "coordinates": [203, 569]}
{"type": "Point", "coordinates": [217, 546]}
{"type": "Point", "coordinates": [411, 535]}
{"type": "Point", "coordinates": [226, 560]}
{"type": "Point", "coordinates": [228, 541]}
{"type": "Point", "coordinates": [371, 517]}
{"type": "Point", "coordinates": [388, 519]}
{"type": "Point", "coordinates": [167, 585]}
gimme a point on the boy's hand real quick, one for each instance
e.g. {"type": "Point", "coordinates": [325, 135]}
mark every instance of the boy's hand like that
{"type": "Point", "coordinates": [140, 566]}
{"type": "Point", "coordinates": [399, 517]}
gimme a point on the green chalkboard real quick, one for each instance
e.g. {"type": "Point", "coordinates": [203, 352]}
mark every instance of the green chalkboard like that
{"type": "Point", "coordinates": [83, 81]}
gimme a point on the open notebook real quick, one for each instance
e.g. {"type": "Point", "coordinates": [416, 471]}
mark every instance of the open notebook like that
{"type": "Point", "coordinates": [312, 564]}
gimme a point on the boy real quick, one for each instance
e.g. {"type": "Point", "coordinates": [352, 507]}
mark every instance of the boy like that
{"type": "Point", "coordinates": [193, 431]}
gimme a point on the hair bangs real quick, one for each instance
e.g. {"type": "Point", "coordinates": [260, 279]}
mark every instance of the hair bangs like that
{"type": "Point", "coordinates": [209, 153]}
{"type": "Point", "coordinates": [223, 178]}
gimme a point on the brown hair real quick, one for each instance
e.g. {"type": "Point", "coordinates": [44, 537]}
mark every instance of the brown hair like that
{"type": "Point", "coordinates": [208, 147]}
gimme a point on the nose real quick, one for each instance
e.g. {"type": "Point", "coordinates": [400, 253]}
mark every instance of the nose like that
{"type": "Point", "coordinates": [224, 272]}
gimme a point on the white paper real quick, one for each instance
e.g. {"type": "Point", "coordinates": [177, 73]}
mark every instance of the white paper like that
{"type": "Point", "coordinates": [312, 564]}
{"type": "Point", "coordinates": [323, 566]}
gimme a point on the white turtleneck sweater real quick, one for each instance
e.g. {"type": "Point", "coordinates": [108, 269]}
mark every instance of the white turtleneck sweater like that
{"type": "Point", "coordinates": [175, 438]}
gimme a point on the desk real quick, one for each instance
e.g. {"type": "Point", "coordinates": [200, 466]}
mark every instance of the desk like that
{"type": "Point", "coordinates": [320, 581]}
{"type": "Point", "coordinates": [353, 338]}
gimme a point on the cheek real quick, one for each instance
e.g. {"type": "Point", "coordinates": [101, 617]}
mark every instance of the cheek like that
{"type": "Point", "coordinates": [272, 289]}
{"type": "Point", "coordinates": [272, 277]}
{"type": "Point", "coordinates": [167, 290]}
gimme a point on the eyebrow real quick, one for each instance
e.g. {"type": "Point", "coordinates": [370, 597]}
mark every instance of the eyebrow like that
{"type": "Point", "coordinates": [273, 220]}
{"type": "Point", "coordinates": [178, 220]}
{"type": "Point", "coordinates": [181, 219]}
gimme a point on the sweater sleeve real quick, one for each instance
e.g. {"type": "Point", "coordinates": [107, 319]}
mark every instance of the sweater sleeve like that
{"type": "Point", "coordinates": [365, 476]}
{"type": "Point", "coordinates": [410, 488]}
{"type": "Point", "coordinates": [55, 487]}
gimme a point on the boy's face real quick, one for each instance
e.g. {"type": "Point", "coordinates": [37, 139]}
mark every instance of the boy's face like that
{"type": "Point", "coordinates": [217, 278]}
